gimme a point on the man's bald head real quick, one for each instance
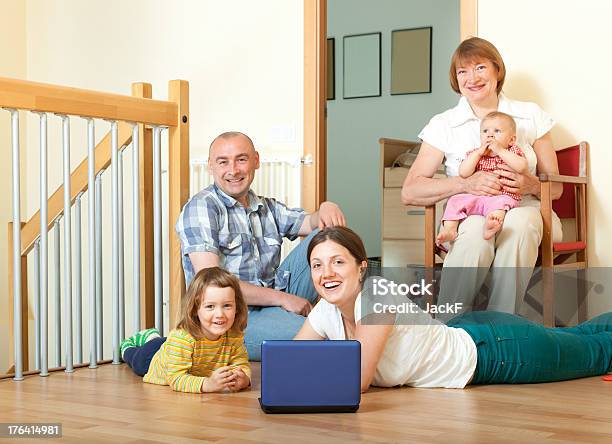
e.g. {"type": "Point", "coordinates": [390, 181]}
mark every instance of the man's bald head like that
{"type": "Point", "coordinates": [227, 136]}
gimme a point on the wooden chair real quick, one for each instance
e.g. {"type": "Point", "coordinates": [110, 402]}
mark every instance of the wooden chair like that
{"type": "Point", "coordinates": [572, 205]}
{"type": "Point", "coordinates": [554, 256]}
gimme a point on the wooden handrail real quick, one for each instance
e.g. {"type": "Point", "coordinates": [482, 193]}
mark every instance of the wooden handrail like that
{"type": "Point", "coordinates": [78, 184]}
{"type": "Point", "coordinates": [23, 94]}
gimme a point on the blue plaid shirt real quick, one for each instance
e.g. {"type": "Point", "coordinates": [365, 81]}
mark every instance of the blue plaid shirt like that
{"type": "Point", "coordinates": [247, 240]}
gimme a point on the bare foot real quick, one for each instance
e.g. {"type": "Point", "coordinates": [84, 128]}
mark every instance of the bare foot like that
{"type": "Point", "coordinates": [493, 224]}
{"type": "Point", "coordinates": [446, 235]}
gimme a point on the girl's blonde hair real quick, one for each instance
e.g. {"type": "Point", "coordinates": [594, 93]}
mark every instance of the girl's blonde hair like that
{"type": "Point", "coordinates": [207, 277]}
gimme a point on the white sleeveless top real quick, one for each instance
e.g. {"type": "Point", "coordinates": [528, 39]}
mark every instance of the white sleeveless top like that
{"type": "Point", "coordinates": [425, 353]}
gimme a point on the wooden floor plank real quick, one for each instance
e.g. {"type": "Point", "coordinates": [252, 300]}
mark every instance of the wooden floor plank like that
{"type": "Point", "coordinates": [111, 404]}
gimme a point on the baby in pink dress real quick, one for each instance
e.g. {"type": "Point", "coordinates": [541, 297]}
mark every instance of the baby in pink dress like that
{"type": "Point", "coordinates": [497, 137]}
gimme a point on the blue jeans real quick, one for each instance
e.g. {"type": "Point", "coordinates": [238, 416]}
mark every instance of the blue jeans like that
{"type": "Point", "coordinates": [276, 322]}
{"type": "Point", "coordinates": [513, 350]}
{"type": "Point", "coordinates": [139, 358]}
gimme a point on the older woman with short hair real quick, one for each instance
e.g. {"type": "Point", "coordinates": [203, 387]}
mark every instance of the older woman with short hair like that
{"type": "Point", "coordinates": [477, 73]}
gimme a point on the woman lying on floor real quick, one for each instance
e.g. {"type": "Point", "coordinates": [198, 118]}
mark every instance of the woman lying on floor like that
{"type": "Point", "coordinates": [474, 348]}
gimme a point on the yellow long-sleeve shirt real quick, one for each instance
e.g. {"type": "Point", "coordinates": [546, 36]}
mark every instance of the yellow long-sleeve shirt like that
{"type": "Point", "coordinates": [184, 362]}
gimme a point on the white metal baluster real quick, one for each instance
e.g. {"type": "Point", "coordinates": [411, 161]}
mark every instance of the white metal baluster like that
{"type": "Point", "coordinates": [44, 251]}
{"type": "Point", "coordinates": [91, 222]}
{"type": "Point", "coordinates": [16, 246]}
{"type": "Point", "coordinates": [157, 234]}
{"type": "Point", "coordinates": [78, 280]}
{"type": "Point", "coordinates": [67, 243]}
{"type": "Point", "coordinates": [36, 305]}
{"type": "Point", "coordinates": [136, 223]}
{"type": "Point", "coordinates": [115, 236]}
{"type": "Point", "coordinates": [99, 301]}
{"type": "Point", "coordinates": [121, 257]}
{"type": "Point", "coordinates": [58, 296]}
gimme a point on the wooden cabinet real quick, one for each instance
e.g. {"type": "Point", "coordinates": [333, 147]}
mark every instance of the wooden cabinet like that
{"type": "Point", "coordinates": [403, 227]}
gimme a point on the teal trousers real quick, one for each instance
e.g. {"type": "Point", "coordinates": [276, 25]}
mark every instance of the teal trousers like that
{"type": "Point", "coordinates": [513, 350]}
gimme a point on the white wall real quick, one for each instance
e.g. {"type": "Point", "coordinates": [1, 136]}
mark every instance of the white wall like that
{"type": "Point", "coordinates": [243, 60]}
{"type": "Point", "coordinates": [556, 55]}
{"type": "Point", "coordinates": [12, 64]}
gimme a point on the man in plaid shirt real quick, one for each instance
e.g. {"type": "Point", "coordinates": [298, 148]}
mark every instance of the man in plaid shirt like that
{"type": "Point", "coordinates": [227, 225]}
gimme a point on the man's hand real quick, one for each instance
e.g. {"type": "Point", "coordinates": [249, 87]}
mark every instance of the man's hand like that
{"type": "Point", "coordinates": [218, 381]}
{"type": "Point", "coordinates": [239, 380]}
{"type": "Point", "coordinates": [330, 215]}
{"type": "Point", "coordinates": [296, 304]}
{"type": "Point", "coordinates": [482, 183]}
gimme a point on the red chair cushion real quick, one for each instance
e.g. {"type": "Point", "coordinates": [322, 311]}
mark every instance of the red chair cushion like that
{"type": "Point", "coordinates": [559, 247]}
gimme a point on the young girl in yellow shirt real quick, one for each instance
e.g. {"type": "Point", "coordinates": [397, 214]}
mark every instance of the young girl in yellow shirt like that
{"type": "Point", "coordinates": [206, 352]}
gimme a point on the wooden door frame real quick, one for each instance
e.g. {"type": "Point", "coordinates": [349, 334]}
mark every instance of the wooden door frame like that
{"type": "Point", "coordinates": [314, 183]}
{"type": "Point", "coordinates": [314, 177]}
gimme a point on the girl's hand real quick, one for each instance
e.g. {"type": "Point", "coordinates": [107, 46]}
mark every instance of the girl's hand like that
{"type": "Point", "coordinates": [518, 183]}
{"type": "Point", "coordinates": [239, 380]}
{"type": "Point", "coordinates": [218, 381]}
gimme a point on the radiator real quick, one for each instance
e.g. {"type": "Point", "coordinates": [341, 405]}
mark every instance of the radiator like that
{"type": "Point", "coordinates": [279, 178]}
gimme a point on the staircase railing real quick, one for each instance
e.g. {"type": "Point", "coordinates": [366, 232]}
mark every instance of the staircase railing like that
{"type": "Point", "coordinates": [135, 120]}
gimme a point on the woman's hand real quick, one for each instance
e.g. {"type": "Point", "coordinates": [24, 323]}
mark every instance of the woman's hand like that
{"type": "Point", "coordinates": [516, 183]}
{"type": "Point", "coordinates": [482, 183]}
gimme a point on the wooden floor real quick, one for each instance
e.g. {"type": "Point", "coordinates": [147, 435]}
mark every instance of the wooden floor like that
{"type": "Point", "coordinates": [112, 405]}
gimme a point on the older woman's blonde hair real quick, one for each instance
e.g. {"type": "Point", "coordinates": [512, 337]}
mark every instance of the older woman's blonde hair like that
{"type": "Point", "coordinates": [211, 277]}
{"type": "Point", "coordinates": [474, 49]}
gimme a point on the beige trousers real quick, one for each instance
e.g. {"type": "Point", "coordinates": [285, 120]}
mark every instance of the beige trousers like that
{"type": "Point", "coordinates": [512, 254]}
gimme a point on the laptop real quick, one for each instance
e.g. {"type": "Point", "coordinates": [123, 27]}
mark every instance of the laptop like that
{"type": "Point", "coordinates": [310, 376]}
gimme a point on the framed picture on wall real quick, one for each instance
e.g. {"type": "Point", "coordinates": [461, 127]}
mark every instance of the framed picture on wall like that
{"type": "Point", "coordinates": [361, 71]}
{"type": "Point", "coordinates": [411, 61]}
{"type": "Point", "coordinates": [331, 69]}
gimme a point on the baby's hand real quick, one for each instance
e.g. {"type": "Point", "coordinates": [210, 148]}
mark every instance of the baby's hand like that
{"type": "Point", "coordinates": [218, 381]}
{"type": "Point", "coordinates": [496, 147]}
{"type": "Point", "coordinates": [239, 380]}
{"type": "Point", "coordinates": [484, 150]}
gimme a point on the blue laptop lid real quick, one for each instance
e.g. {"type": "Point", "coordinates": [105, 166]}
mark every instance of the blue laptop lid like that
{"type": "Point", "coordinates": [310, 373]}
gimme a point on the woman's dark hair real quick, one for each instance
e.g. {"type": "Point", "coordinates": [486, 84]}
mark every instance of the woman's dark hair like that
{"type": "Point", "coordinates": [473, 49]}
{"type": "Point", "coordinates": [342, 236]}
